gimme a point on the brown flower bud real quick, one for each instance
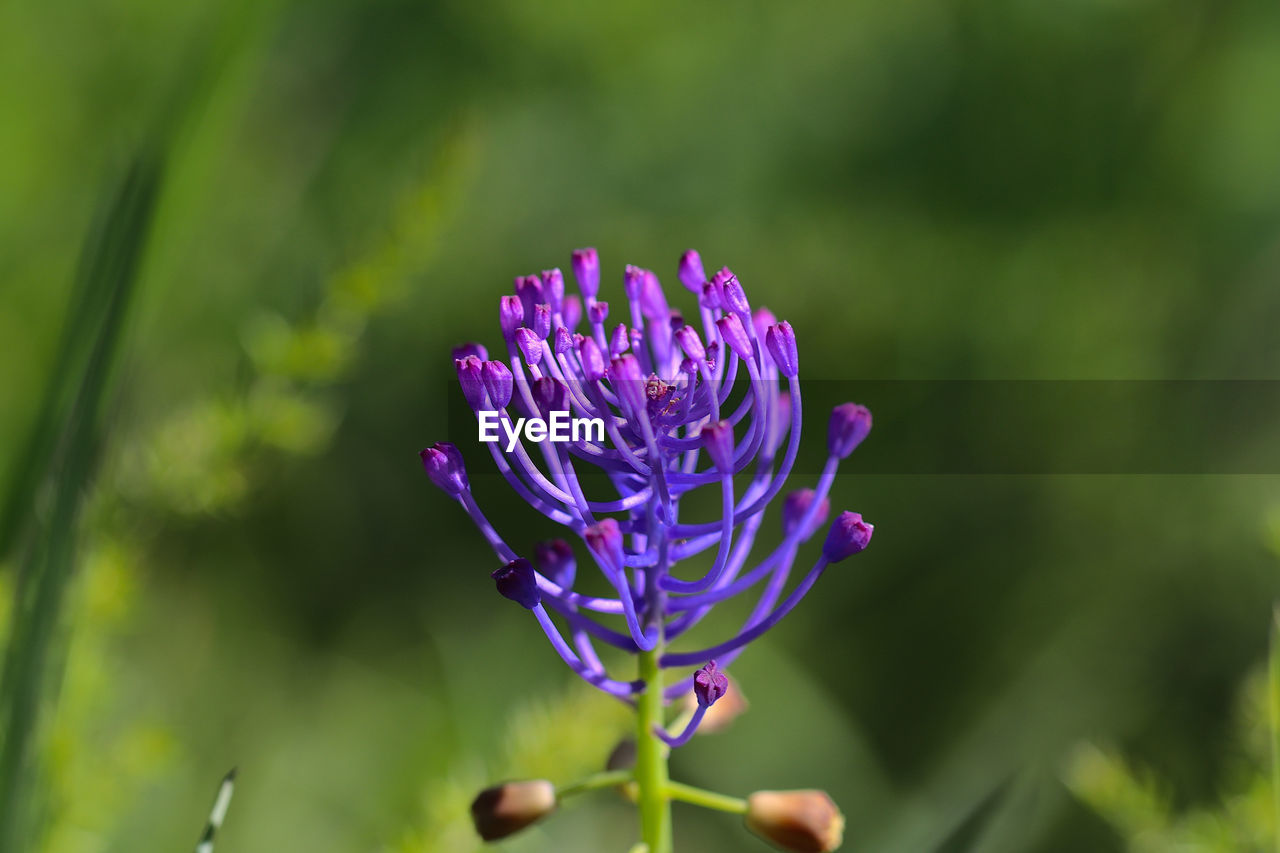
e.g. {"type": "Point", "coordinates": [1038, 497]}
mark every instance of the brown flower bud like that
{"type": "Point", "coordinates": [508, 808]}
{"type": "Point", "coordinates": [798, 821]}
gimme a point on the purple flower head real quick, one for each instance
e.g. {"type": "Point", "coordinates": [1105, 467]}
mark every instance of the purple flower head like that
{"type": "Point", "coordinates": [443, 463]}
{"type": "Point", "coordinates": [849, 425]}
{"type": "Point", "coordinates": [518, 582]}
{"type": "Point", "coordinates": [709, 684]}
{"type": "Point", "coordinates": [676, 414]}
{"type": "Point", "coordinates": [849, 534]}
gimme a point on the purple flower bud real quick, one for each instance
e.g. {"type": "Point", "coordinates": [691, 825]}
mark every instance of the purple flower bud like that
{"type": "Point", "coordinates": [849, 534]}
{"type": "Point", "coordinates": [709, 684]}
{"type": "Point", "coordinates": [553, 287]}
{"type": "Point", "coordinates": [735, 336]}
{"type": "Point", "coordinates": [604, 540]}
{"type": "Point", "coordinates": [780, 340]}
{"type": "Point", "coordinates": [598, 313]}
{"type": "Point", "coordinates": [550, 395]}
{"type": "Point", "coordinates": [761, 320]}
{"type": "Point", "coordinates": [717, 438]}
{"type": "Point", "coordinates": [506, 809]}
{"type": "Point", "coordinates": [555, 560]}
{"type": "Point", "coordinates": [718, 278]}
{"type": "Point", "coordinates": [628, 382]}
{"type": "Point", "coordinates": [653, 303]}
{"type": "Point", "coordinates": [529, 289]}
{"type": "Point", "coordinates": [571, 311]}
{"type": "Point", "coordinates": [735, 298]}
{"type": "Point", "coordinates": [632, 281]}
{"type": "Point", "coordinates": [443, 463]}
{"type": "Point", "coordinates": [691, 274]}
{"type": "Point", "coordinates": [796, 505]}
{"type": "Point", "coordinates": [691, 343]}
{"type": "Point", "coordinates": [497, 381]}
{"type": "Point", "coordinates": [541, 324]}
{"type": "Point", "coordinates": [710, 297]}
{"type": "Point", "coordinates": [478, 350]}
{"type": "Point", "coordinates": [518, 582]}
{"type": "Point", "coordinates": [530, 344]}
{"type": "Point", "coordinates": [848, 426]}
{"type": "Point", "coordinates": [676, 321]}
{"type": "Point", "coordinates": [564, 341]}
{"type": "Point", "coordinates": [471, 380]}
{"type": "Point", "coordinates": [586, 269]}
{"type": "Point", "coordinates": [713, 354]}
{"type": "Point", "coordinates": [510, 315]}
{"type": "Point", "coordinates": [620, 340]}
{"type": "Point", "coordinates": [593, 367]}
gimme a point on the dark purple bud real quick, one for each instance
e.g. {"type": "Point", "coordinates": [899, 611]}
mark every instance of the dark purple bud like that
{"type": "Point", "coordinates": [604, 540]}
{"type": "Point", "coordinates": [529, 289]}
{"type": "Point", "coordinates": [735, 298]}
{"type": "Point", "coordinates": [691, 274]}
{"type": "Point", "coordinates": [717, 438]}
{"type": "Point", "coordinates": [761, 320]}
{"type": "Point", "coordinates": [465, 350]}
{"type": "Point", "coordinates": [510, 315]}
{"type": "Point", "coordinates": [593, 367]}
{"type": "Point", "coordinates": [504, 810]}
{"type": "Point", "coordinates": [620, 340]}
{"type": "Point", "coordinates": [472, 381]}
{"type": "Point", "coordinates": [676, 321]}
{"type": "Point", "coordinates": [541, 324]}
{"type": "Point", "coordinates": [550, 395]}
{"type": "Point", "coordinates": [780, 340]}
{"type": "Point", "coordinates": [555, 560]}
{"type": "Point", "coordinates": [627, 382]}
{"type": "Point", "coordinates": [709, 684]}
{"type": "Point", "coordinates": [530, 344]}
{"type": "Point", "coordinates": [713, 354]}
{"type": "Point", "coordinates": [796, 821]}
{"type": "Point", "coordinates": [571, 311]}
{"type": "Point", "coordinates": [796, 505]}
{"type": "Point", "coordinates": [732, 333]}
{"type": "Point", "coordinates": [691, 343]}
{"type": "Point", "coordinates": [598, 313]}
{"type": "Point", "coordinates": [848, 426]}
{"type": "Point", "coordinates": [518, 582]}
{"type": "Point", "coordinates": [443, 463]}
{"type": "Point", "coordinates": [586, 269]}
{"type": "Point", "coordinates": [497, 381]}
{"type": "Point", "coordinates": [849, 534]}
{"type": "Point", "coordinates": [710, 297]}
{"type": "Point", "coordinates": [564, 341]}
{"type": "Point", "coordinates": [632, 281]}
{"type": "Point", "coordinates": [553, 287]}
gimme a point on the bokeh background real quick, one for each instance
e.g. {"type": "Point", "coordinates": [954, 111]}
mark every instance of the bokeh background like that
{"type": "Point", "coordinates": [323, 197]}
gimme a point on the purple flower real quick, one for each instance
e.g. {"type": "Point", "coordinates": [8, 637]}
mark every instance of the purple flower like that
{"type": "Point", "coordinates": [713, 403]}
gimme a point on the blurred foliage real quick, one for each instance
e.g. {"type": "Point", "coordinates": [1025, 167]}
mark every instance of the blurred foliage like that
{"type": "Point", "coordinates": [947, 189]}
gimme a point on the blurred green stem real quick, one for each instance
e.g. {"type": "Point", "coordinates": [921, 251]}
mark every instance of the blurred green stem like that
{"type": "Point", "coordinates": [706, 799]}
{"type": "Point", "coordinates": [651, 758]}
{"type": "Point", "coordinates": [610, 779]}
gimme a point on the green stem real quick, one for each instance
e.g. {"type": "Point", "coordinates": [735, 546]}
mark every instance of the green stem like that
{"type": "Point", "coordinates": [706, 799]}
{"type": "Point", "coordinates": [651, 758]}
{"type": "Point", "coordinates": [607, 779]}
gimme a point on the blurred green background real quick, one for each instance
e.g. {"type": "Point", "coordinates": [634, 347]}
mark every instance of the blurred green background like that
{"type": "Point", "coordinates": [263, 577]}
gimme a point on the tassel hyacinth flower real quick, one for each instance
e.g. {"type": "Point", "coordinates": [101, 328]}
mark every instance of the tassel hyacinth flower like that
{"type": "Point", "coordinates": [709, 402]}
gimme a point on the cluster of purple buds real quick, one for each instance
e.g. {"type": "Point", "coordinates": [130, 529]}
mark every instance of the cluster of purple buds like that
{"type": "Point", "coordinates": [712, 401]}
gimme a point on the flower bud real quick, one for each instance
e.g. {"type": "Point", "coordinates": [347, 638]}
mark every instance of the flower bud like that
{"type": "Point", "coordinates": [444, 465]}
{"type": "Point", "coordinates": [761, 319]}
{"type": "Point", "coordinates": [586, 269]}
{"type": "Point", "coordinates": [632, 281]}
{"type": "Point", "coordinates": [529, 289]}
{"type": "Point", "coordinates": [541, 324]}
{"type": "Point", "coordinates": [553, 287]}
{"type": "Point", "coordinates": [470, 377]}
{"type": "Point", "coordinates": [564, 341]}
{"type": "Point", "coordinates": [690, 272]}
{"type": "Point", "coordinates": [517, 581]}
{"type": "Point", "coordinates": [780, 339]}
{"type": "Point", "coordinates": [604, 540]}
{"type": "Point", "coordinates": [598, 313]}
{"type": "Point", "coordinates": [717, 438]}
{"type": "Point", "coordinates": [619, 340]}
{"type": "Point", "coordinates": [571, 311]}
{"type": "Point", "coordinates": [506, 809]}
{"type": "Point", "coordinates": [550, 395]}
{"type": "Point", "coordinates": [497, 381]}
{"type": "Point", "coordinates": [709, 684]}
{"type": "Point", "coordinates": [732, 332]}
{"type": "Point", "coordinates": [653, 302]}
{"type": "Point", "coordinates": [710, 296]}
{"type": "Point", "coordinates": [478, 350]}
{"type": "Point", "coordinates": [555, 559]}
{"type": "Point", "coordinates": [734, 297]}
{"type": "Point", "coordinates": [510, 315]}
{"type": "Point", "coordinates": [530, 345]}
{"type": "Point", "coordinates": [799, 821]}
{"type": "Point", "coordinates": [593, 368]}
{"type": "Point", "coordinates": [849, 534]}
{"type": "Point", "coordinates": [721, 715]}
{"type": "Point", "coordinates": [848, 426]}
{"type": "Point", "coordinates": [794, 508]}
{"type": "Point", "coordinates": [689, 341]}
{"type": "Point", "coordinates": [628, 383]}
